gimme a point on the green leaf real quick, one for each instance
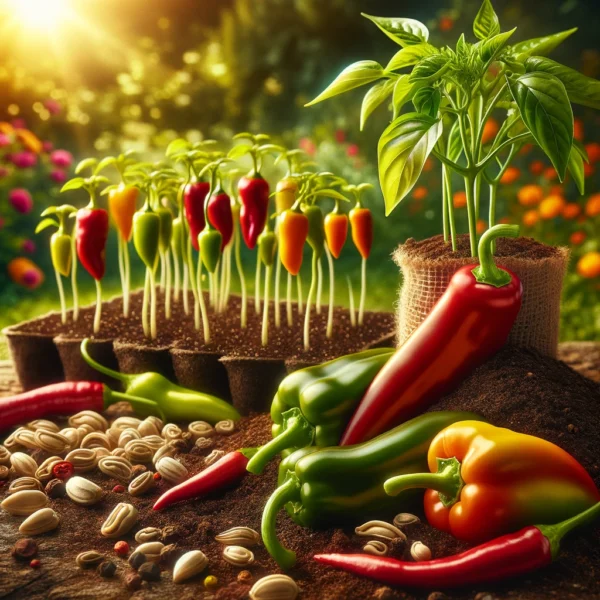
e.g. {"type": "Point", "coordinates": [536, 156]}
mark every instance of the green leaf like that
{"type": "Point", "coordinates": [427, 101]}
{"type": "Point", "coordinates": [45, 223]}
{"type": "Point", "coordinates": [403, 150]}
{"type": "Point", "coordinates": [540, 46]}
{"type": "Point", "coordinates": [455, 145]}
{"type": "Point", "coordinates": [403, 91]}
{"type": "Point", "coordinates": [356, 75]}
{"type": "Point", "coordinates": [375, 97]}
{"type": "Point", "coordinates": [429, 69]}
{"type": "Point", "coordinates": [411, 55]}
{"type": "Point", "coordinates": [580, 89]}
{"type": "Point", "coordinates": [405, 32]}
{"type": "Point", "coordinates": [582, 151]}
{"type": "Point", "coordinates": [489, 49]}
{"type": "Point", "coordinates": [461, 45]}
{"type": "Point", "coordinates": [238, 151]}
{"type": "Point", "coordinates": [105, 162]}
{"type": "Point", "coordinates": [486, 24]}
{"type": "Point", "coordinates": [546, 111]}
{"type": "Point", "coordinates": [74, 184]}
{"type": "Point", "coordinates": [86, 163]}
{"type": "Point", "coordinates": [177, 147]}
{"type": "Point", "coordinates": [576, 169]}
{"type": "Point", "coordinates": [329, 193]}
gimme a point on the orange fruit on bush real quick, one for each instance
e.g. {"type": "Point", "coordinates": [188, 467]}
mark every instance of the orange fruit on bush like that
{"type": "Point", "coordinates": [577, 237]}
{"type": "Point", "coordinates": [530, 195]}
{"type": "Point", "coordinates": [504, 221]}
{"type": "Point", "coordinates": [588, 265]}
{"type": "Point", "coordinates": [536, 167]}
{"type": "Point", "coordinates": [446, 23]}
{"type": "Point", "coordinates": [551, 207]}
{"type": "Point", "coordinates": [428, 165]}
{"type": "Point", "coordinates": [578, 132]}
{"type": "Point", "coordinates": [481, 226]}
{"type": "Point", "coordinates": [490, 130]}
{"type": "Point", "coordinates": [530, 218]}
{"type": "Point", "coordinates": [592, 207]}
{"type": "Point", "coordinates": [588, 170]}
{"type": "Point", "coordinates": [420, 193]}
{"type": "Point", "coordinates": [593, 150]}
{"type": "Point", "coordinates": [550, 173]}
{"type": "Point", "coordinates": [571, 210]}
{"type": "Point", "coordinates": [459, 199]}
{"type": "Point", "coordinates": [510, 175]}
{"type": "Point", "coordinates": [25, 272]}
{"type": "Point", "coordinates": [526, 149]}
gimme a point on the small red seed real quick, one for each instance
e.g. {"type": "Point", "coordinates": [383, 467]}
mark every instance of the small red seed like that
{"type": "Point", "coordinates": [157, 477]}
{"type": "Point", "coordinates": [36, 563]}
{"type": "Point", "coordinates": [122, 548]}
{"type": "Point", "coordinates": [63, 470]}
{"type": "Point", "coordinates": [118, 489]}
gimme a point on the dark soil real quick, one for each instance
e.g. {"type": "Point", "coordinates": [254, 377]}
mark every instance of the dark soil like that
{"type": "Point", "coordinates": [517, 388]}
{"type": "Point", "coordinates": [434, 248]}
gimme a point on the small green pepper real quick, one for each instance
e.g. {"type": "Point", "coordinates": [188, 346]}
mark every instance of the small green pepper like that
{"type": "Point", "coordinates": [166, 228]}
{"type": "Point", "coordinates": [209, 241]}
{"type": "Point", "coordinates": [61, 252]}
{"type": "Point", "coordinates": [267, 246]}
{"type": "Point", "coordinates": [321, 399]}
{"type": "Point", "coordinates": [316, 228]}
{"type": "Point", "coordinates": [146, 235]}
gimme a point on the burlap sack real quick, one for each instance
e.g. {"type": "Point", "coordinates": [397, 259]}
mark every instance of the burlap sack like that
{"type": "Point", "coordinates": [537, 325]}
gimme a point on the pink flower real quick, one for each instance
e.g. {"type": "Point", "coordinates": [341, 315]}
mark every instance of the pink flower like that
{"type": "Point", "coordinates": [340, 136]}
{"type": "Point", "coordinates": [32, 278]}
{"type": "Point", "coordinates": [28, 246]}
{"type": "Point", "coordinates": [47, 146]}
{"type": "Point", "coordinates": [23, 160]}
{"type": "Point", "coordinates": [61, 158]}
{"type": "Point", "coordinates": [21, 200]}
{"type": "Point", "coordinates": [52, 106]}
{"type": "Point", "coordinates": [4, 140]}
{"type": "Point", "coordinates": [308, 146]}
{"type": "Point", "coordinates": [58, 176]}
{"type": "Point", "coordinates": [3, 172]}
{"type": "Point", "coordinates": [352, 150]}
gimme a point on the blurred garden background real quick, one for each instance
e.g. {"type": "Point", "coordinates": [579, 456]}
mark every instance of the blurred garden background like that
{"type": "Point", "coordinates": [85, 78]}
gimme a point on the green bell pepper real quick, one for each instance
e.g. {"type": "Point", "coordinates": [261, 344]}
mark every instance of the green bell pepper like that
{"type": "Point", "coordinates": [316, 228]}
{"type": "Point", "coordinates": [321, 487]}
{"type": "Point", "coordinates": [146, 235]}
{"type": "Point", "coordinates": [267, 246]}
{"type": "Point", "coordinates": [61, 246]}
{"type": "Point", "coordinates": [166, 229]}
{"type": "Point", "coordinates": [313, 405]}
{"type": "Point", "coordinates": [209, 241]}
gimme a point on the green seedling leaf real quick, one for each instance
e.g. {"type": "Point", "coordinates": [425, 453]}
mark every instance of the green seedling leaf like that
{"type": "Point", "coordinates": [429, 69]}
{"type": "Point", "coordinates": [580, 89]}
{"type": "Point", "coordinates": [45, 223]}
{"type": "Point", "coordinates": [105, 162]}
{"type": "Point", "coordinates": [378, 94]}
{"type": "Point", "coordinates": [86, 163]}
{"type": "Point", "coordinates": [427, 101]}
{"type": "Point", "coordinates": [546, 111]}
{"type": "Point", "coordinates": [403, 92]}
{"type": "Point", "coordinates": [177, 147]}
{"type": "Point", "coordinates": [486, 24]}
{"type": "Point", "coordinates": [576, 169]}
{"type": "Point", "coordinates": [356, 75]}
{"type": "Point", "coordinates": [541, 46]}
{"type": "Point", "coordinates": [329, 193]}
{"type": "Point", "coordinates": [411, 55]}
{"type": "Point", "coordinates": [490, 48]}
{"type": "Point", "coordinates": [74, 184]}
{"type": "Point", "coordinates": [239, 151]}
{"type": "Point", "coordinates": [405, 32]}
{"type": "Point", "coordinates": [403, 150]}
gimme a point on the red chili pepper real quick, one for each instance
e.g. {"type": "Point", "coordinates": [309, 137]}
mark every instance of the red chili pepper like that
{"type": "Point", "coordinates": [227, 471]}
{"type": "Point", "coordinates": [254, 195]}
{"type": "Point", "coordinates": [63, 470]}
{"type": "Point", "coordinates": [336, 231]}
{"type": "Point", "coordinates": [361, 221]}
{"type": "Point", "coordinates": [220, 215]}
{"type": "Point", "coordinates": [91, 233]}
{"type": "Point", "coordinates": [508, 556]}
{"type": "Point", "coordinates": [194, 196]}
{"type": "Point", "coordinates": [469, 323]}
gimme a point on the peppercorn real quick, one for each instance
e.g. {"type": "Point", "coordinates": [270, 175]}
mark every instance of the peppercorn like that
{"type": "Point", "coordinates": [55, 488]}
{"type": "Point", "coordinates": [121, 548]}
{"type": "Point", "coordinates": [244, 577]}
{"type": "Point", "coordinates": [149, 571]}
{"type": "Point", "coordinates": [25, 549]}
{"type": "Point", "coordinates": [137, 559]}
{"type": "Point", "coordinates": [63, 470]}
{"type": "Point", "coordinates": [36, 563]}
{"type": "Point", "coordinates": [107, 568]}
{"type": "Point", "coordinates": [211, 582]}
{"type": "Point", "coordinates": [118, 489]}
{"type": "Point", "coordinates": [157, 477]}
{"type": "Point", "coordinates": [133, 581]}
{"type": "Point", "coordinates": [137, 470]}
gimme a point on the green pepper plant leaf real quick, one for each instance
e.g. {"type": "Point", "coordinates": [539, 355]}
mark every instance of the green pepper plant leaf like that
{"type": "Point", "coordinates": [405, 32]}
{"type": "Point", "coordinates": [376, 96]}
{"type": "Point", "coordinates": [486, 24]}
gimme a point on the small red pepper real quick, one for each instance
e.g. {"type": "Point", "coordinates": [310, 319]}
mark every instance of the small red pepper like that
{"type": "Point", "coordinates": [469, 323]}
{"type": "Point", "coordinates": [91, 233]}
{"type": "Point", "coordinates": [254, 195]}
{"type": "Point", "coordinates": [361, 220]}
{"type": "Point", "coordinates": [221, 216]}
{"type": "Point", "coordinates": [336, 230]}
{"type": "Point", "coordinates": [511, 555]}
{"type": "Point", "coordinates": [227, 471]}
{"type": "Point", "coordinates": [63, 470]}
{"type": "Point", "coordinates": [194, 196]}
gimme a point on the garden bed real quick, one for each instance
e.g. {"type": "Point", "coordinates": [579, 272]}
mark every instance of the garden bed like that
{"type": "Point", "coordinates": [517, 388]}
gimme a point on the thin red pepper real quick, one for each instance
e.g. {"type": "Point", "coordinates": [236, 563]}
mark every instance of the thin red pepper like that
{"type": "Point", "coordinates": [221, 216]}
{"type": "Point", "coordinates": [194, 196]}
{"type": "Point", "coordinates": [254, 195]}
{"type": "Point", "coordinates": [91, 233]}
{"type": "Point", "coordinates": [469, 323]}
{"type": "Point", "coordinates": [511, 555]}
{"type": "Point", "coordinates": [227, 471]}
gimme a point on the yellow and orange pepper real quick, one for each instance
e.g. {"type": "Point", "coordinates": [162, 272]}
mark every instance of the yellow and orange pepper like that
{"type": "Point", "coordinates": [487, 481]}
{"type": "Point", "coordinates": [361, 221]}
{"type": "Point", "coordinates": [122, 206]}
{"type": "Point", "coordinates": [293, 231]}
{"type": "Point", "coordinates": [336, 230]}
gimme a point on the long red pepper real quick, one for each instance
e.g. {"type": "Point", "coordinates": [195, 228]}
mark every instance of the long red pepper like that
{"type": "Point", "coordinates": [254, 196]}
{"type": "Point", "coordinates": [227, 471]}
{"type": "Point", "coordinates": [469, 323]}
{"type": "Point", "coordinates": [91, 233]}
{"type": "Point", "coordinates": [508, 556]}
{"type": "Point", "coordinates": [194, 196]}
{"type": "Point", "coordinates": [220, 215]}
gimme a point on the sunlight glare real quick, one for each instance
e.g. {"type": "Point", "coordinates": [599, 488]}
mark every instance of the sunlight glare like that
{"type": "Point", "coordinates": [40, 14]}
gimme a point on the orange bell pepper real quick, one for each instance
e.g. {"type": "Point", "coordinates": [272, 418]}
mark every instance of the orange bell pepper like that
{"type": "Point", "coordinates": [487, 481]}
{"type": "Point", "coordinates": [293, 231]}
{"type": "Point", "coordinates": [121, 204]}
{"type": "Point", "coordinates": [336, 231]}
{"type": "Point", "coordinates": [361, 221]}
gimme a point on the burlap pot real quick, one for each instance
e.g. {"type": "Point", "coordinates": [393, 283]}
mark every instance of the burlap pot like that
{"type": "Point", "coordinates": [427, 272]}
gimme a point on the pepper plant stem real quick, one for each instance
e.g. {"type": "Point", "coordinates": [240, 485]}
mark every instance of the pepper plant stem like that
{"type": "Point", "coordinates": [61, 295]}
{"type": "Point", "coordinates": [176, 278]}
{"type": "Point", "coordinates": [122, 271]}
{"type": "Point", "coordinates": [127, 264]}
{"type": "Point", "coordinates": [288, 301]}
{"type": "Point", "coordinates": [186, 278]}
{"type": "Point", "coordinates": [74, 290]}
{"type": "Point", "coordinates": [299, 291]}
{"type": "Point", "coordinates": [98, 314]}
{"type": "Point", "coordinates": [310, 299]}
{"type": "Point", "coordinates": [277, 289]}
{"type": "Point", "coordinates": [447, 481]}
{"type": "Point", "coordinates": [163, 273]}
{"type": "Point", "coordinates": [152, 305]}
{"type": "Point", "coordinates": [487, 271]}
{"type": "Point", "coordinates": [242, 276]}
{"type": "Point", "coordinates": [492, 213]}
{"type": "Point", "coordinates": [470, 191]}
{"type": "Point", "coordinates": [363, 291]}
{"type": "Point", "coordinates": [257, 285]}
{"type": "Point", "coordinates": [202, 303]}
{"type": "Point", "coordinates": [444, 205]}
{"type": "Point", "coordinates": [447, 183]}
{"type": "Point", "coordinates": [319, 285]}
{"type": "Point", "coordinates": [331, 293]}
{"type": "Point", "coordinates": [267, 296]}
{"type": "Point", "coordinates": [145, 304]}
{"type": "Point", "coordinates": [168, 282]}
{"type": "Point", "coordinates": [351, 301]}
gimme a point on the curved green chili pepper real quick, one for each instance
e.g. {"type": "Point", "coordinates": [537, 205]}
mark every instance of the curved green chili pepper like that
{"type": "Point", "coordinates": [61, 252]}
{"type": "Point", "coordinates": [146, 235]}
{"type": "Point", "coordinates": [267, 246]}
{"type": "Point", "coordinates": [209, 241]}
{"type": "Point", "coordinates": [166, 229]}
{"type": "Point", "coordinates": [316, 228]}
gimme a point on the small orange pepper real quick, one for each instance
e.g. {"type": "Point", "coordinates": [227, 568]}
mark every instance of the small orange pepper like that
{"type": "Point", "coordinates": [336, 230]}
{"type": "Point", "coordinates": [285, 194]}
{"type": "Point", "coordinates": [293, 231]}
{"type": "Point", "coordinates": [121, 205]}
{"type": "Point", "coordinates": [361, 221]}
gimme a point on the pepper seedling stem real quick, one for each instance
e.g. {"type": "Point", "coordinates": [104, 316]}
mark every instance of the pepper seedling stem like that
{"type": "Point", "coordinates": [488, 272]}
{"type": "Point", "coordinates": [351, 302]}
{"type": "Point", "coordinates": [288, 300]}
{"type": "Point", "coordinates": [331, 292]}
{"type": "Point", "coordinates": [309, 300]}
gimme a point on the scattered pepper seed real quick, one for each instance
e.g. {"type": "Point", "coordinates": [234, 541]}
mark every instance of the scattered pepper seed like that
{"type": "Point", "coordinates": [121, 548]}
{"type": "Point", "coordinates": [572, 428]}
{"type": "Point", "coordinates": [4, 472]}
{"type": "Point", "coordinates": [245, 577]}
{"type": "Point", "coordinates": [149, 571]}
{"type": "Point", "coordinates": [118, 489]}
{"type": "Point", "coordinates": [133, 582]}
{"type": "Point", "coordinates": [171, 534]}
{"type": "Point", "coordinates": [169, 555]}
{"type": "Point", "coordinates": [157, 476]}
{"type": "Point", "coordinates": [36, 563]}
{"type": "Point", "coordinates": [419, 551]}
{"type": "Point", "coordinates": [137, 470]}
{"type": "Point", "coordinates": [211, 582]}
{"type": "Point", "coordinates": [25, 549]}
{"type": "Point", "coordinates": [63, 470]}
{"type": "Point", "coordinates": [107, 568]}
{"type": "Point", "coordinates": [55, 488]}
{"type": "Point", "coordinates": [137, 559]}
